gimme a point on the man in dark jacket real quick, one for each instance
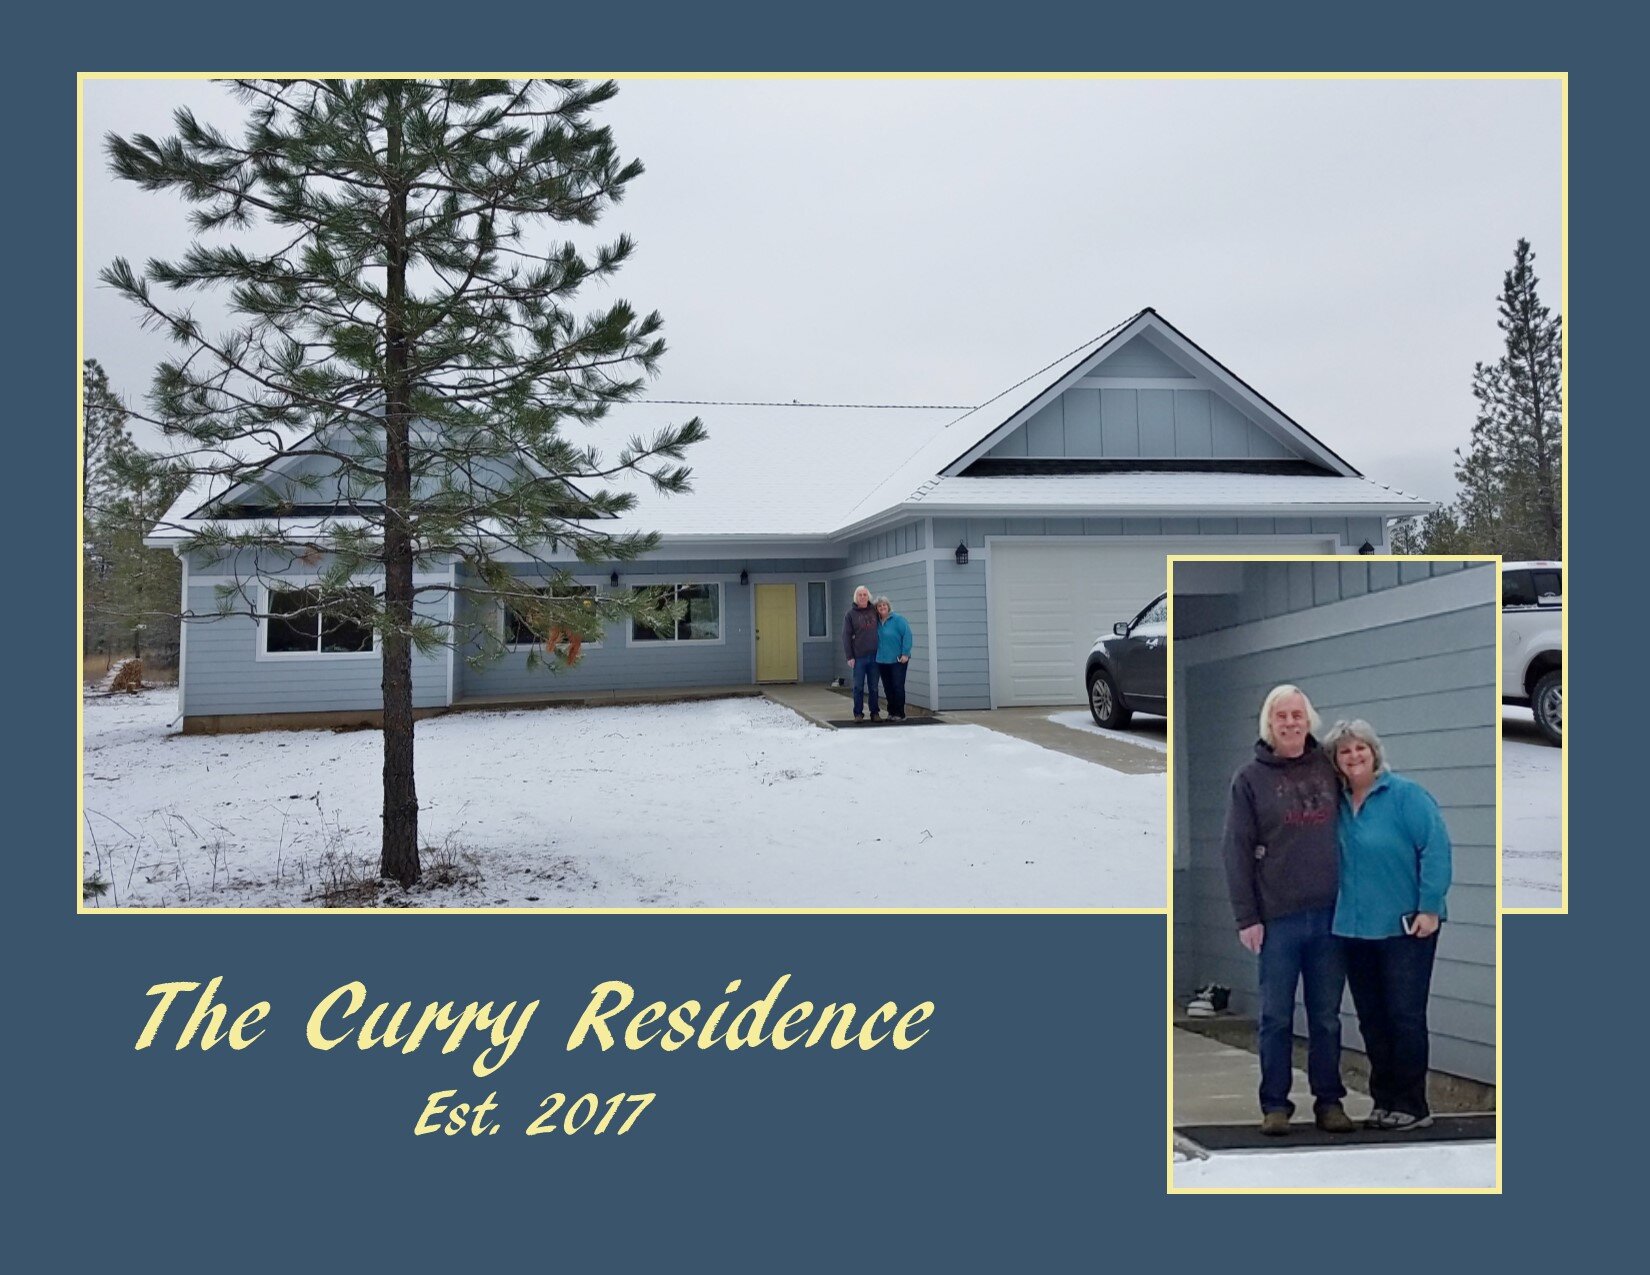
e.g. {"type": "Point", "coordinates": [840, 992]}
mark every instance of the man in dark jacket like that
{"type": "Point", "coordinates": [1282, 869]}
{"type": "Point", "coordinates": [859, 643]}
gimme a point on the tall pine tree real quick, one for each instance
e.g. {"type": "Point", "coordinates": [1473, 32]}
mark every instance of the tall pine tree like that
{"type": "Point", "coordinates": [1511, 474]}
{"type": "Point", "coordinates": [412, 338]}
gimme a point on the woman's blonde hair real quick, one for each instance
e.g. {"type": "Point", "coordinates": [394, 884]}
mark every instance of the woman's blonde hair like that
{"type": "Point", "coordinates": [1313, 721]}
{"type": "Point", "coordinates": [1358, 729]}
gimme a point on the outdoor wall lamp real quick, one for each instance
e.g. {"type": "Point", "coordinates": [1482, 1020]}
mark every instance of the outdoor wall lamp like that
{"type": "Point", "coordinates": [744, 576]}
{"type": "Point", "coordinates": [1366, 547]}
{"type": "Point", "coordinates": [613, 578]}
{"type": "Point", "coordinates": [962, 554]}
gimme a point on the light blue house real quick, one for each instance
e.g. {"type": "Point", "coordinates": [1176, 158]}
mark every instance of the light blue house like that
{"type": "Point", "coordinates": [1010, 536]}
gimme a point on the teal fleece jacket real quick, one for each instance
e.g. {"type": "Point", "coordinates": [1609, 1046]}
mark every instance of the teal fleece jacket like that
{"type": "Point", "coordinates": [1395, 859]}
{"type": "Point", "coordinates": [893, 639]}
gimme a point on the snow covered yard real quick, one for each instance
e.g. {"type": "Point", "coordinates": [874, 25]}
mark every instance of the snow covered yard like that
{"type": "Point", "coordinates": [1423, 1165]}
{"type": "Point", "coordinates": [1532, 815]}
{"type": "Point", "coordinates": [725, 803]}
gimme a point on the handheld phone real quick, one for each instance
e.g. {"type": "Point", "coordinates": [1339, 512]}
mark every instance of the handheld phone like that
{"type": "Point", "coordinates": [1409, 923]}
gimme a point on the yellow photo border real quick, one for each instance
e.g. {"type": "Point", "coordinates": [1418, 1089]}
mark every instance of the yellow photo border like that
{"type": "Point", "coordinates": [1500, 922]}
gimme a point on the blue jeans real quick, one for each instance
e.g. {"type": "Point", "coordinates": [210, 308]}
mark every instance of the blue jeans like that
{"type": "Point", "coordinates": [893, 687]}
{"type": "Point", "coordinates": [865, 683]}
{"type": "Point", "coordinates": [1390, 981]}
{"type": "Point", "coordinates": [1299, 948]}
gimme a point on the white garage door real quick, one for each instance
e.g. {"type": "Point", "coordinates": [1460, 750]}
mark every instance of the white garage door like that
{"type": "Point", "coordinates": [1050, 600]}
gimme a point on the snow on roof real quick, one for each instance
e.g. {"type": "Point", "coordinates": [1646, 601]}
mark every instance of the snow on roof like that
{"type": "Point", "coordinates": [1138, 491]}
{"type": "Point", "coordinates": [800, 470]}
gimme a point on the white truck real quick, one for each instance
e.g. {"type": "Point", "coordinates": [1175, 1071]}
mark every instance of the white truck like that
{"type": "Point", "coordinates": [1532, 642]}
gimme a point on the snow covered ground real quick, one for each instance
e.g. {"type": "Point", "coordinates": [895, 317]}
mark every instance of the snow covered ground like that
{"type": "Point", "coordinates": [1470, 1164]}
{"type": "Point", "coordinates": [1084, 721]}
{"type": "Point", "coordinates": [1531, 815]}
{"type": "Point", "coordinates": [726, 803]}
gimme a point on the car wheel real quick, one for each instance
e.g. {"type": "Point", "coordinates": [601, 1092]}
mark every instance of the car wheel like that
{"type": "Point", "coordinates": [1548, 705]}
{"type": "Point", "coordinates": [1105, 703]}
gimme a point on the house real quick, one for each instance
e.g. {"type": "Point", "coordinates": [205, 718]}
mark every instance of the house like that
{"type": "Point", "coordinates": [1409, 647]}
{"type": "Point", "coordinates": [1009, 535]}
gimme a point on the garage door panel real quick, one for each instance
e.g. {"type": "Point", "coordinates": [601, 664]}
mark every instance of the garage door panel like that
{"type": "Point", "coordinates": [1048, 602]}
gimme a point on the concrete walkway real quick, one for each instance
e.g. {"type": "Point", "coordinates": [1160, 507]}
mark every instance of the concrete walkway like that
{"type": "Point", "coordinates": [1033, 726]}
{"type": "Point", "coordinates": [1216, 1083]}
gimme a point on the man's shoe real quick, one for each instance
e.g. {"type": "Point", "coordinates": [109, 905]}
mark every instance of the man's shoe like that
{"type": "Point", "coordinates": [1402, 1122]}
{"type": "Point", "coordinates": [1274, 1124]}
{"type": "Point", "coordinates": [1332, 1118]}
{"type": "Point", "coordinates": [875, 718]}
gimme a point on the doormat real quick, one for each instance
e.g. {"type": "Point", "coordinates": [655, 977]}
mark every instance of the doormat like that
{"type": "Point", "coordinates": [848, 723]}
{"type": "Point", "coordinates": [1303, 1133]}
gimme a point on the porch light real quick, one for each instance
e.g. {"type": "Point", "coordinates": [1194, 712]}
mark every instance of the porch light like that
{"type": "Point", "coordinates": [744, 576]}
{"type": "Point", "coordinates": [613, 578]}
{"type": "Point", "coordinates": [1366, 547]}
{"type": "Point", "coordinates": [962, 554]}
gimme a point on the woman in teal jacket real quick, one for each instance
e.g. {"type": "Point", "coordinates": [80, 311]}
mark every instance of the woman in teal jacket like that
{"type": "Point", "coordinates": [1395, 872]}
{"type": "Point", "coordinates": [893, 657]}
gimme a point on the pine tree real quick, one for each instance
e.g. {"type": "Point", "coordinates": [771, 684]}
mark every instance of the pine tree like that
{"type": "Point", "coordinates": [1511, 475]}
{"type": "Point", "coordinates": [129, 591]}
{"type": "Point", "coordinates": [414, 336]}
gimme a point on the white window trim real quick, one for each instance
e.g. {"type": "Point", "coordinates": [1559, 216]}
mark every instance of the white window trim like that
{"type": "Point", "coordinates": [262, 654]}
{"type": "Point", "coordinates": [675, 643]}
{"type": "Point", "coordinates": [827, 635]}
{"type": "Point", "coordinates": [501, 624]}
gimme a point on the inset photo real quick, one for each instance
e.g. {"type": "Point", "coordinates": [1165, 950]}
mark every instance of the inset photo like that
{"type": "Point", "coordinates": [1335, 913]}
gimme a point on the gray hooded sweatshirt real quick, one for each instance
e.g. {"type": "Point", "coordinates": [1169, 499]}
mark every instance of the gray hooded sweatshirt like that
{"type": "Point", "coordinates": [1280, 842]}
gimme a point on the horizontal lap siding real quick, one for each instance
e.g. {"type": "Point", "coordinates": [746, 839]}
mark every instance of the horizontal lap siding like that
{"type": "Point", "coordinates": [906, 587]}
{"type": "Point", "coordinates": [617, 665]}
{"type": "Point", "coordinates": [964, 647]}
{"type": "Point", "coordinates": [224, 675]}
{"type": "Point", "coordinates": [1427, 684]}
{"type": "Point", "coordinates": [949, 532]}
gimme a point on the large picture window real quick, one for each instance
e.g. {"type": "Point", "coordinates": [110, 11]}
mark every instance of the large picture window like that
{"type": "Point", "coordinates": [517, 632]}
{"type": "Point", "coordinates": [299, 625]}
{"type": "Point", "coordinates": [702, 621]}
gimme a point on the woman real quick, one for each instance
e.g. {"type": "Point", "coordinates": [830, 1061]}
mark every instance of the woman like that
{"type": "Point", "coordinates": [893, 657]}
{"type": "Point", "coordinates": [1395, 871]}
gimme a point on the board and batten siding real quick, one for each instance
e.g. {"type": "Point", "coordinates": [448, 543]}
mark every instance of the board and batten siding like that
{"type": "Point", "coordinates": [225, 675]}
{"type": "Point", "coordinates": [1121, 424]}
{"type": "Point", "coordinates": [1411, 649]}
{"type": "Point", "coordinates": [906, 537]}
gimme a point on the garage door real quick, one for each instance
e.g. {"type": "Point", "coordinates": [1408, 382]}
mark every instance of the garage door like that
{"type": "Point", "coordinates": [1050, 600]}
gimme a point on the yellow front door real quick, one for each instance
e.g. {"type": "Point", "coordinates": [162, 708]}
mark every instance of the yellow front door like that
{"type": "Point", "coordinates": [776, 633]}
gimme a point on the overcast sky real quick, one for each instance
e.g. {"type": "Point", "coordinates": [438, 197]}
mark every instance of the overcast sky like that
{"type": "Point", "coordinates": [1339, 245]}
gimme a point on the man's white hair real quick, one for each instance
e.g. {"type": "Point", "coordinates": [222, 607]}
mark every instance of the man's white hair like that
{"type": "Point", "coordinates": [859, 589]}
{"type": "Point", "coordinates": [1313, 721]}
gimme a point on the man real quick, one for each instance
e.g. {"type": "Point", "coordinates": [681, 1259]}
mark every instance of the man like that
{"type": "Point", "coordinates": [859, 642]}
{"type": "Point", "coordinates": [1282, 869]}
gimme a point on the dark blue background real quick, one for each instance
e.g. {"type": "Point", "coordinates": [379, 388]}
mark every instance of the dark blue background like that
{"type": "Point", "coordinates": [1027, 1130]}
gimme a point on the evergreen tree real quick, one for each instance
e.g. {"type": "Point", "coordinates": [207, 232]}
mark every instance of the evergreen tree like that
{"type": "Point", "coordinates": [129, 592]}
{"type": "Point", "coordinates": [412, 337]}
{"type": "Point", "coordinates": [1512, 472]}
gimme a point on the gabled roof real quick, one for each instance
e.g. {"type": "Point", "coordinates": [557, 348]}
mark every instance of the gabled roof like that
{"type": "Point", "coordinates": [819, 472]}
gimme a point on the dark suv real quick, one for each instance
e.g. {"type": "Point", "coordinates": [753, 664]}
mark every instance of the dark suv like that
{"type": "Point", "coordinates": [1127, 673]}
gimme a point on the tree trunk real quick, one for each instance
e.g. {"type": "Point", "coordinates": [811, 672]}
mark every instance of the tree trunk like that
{"type": "Point", "coordinates": [399, 858]}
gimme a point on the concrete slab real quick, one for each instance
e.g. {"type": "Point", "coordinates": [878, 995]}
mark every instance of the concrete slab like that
{"type": "Point", "coordinates": [1216, 1083]}
{"type": "Point", "coordinates": [822, 705]}
{"type": "Point", "coordinates": [1033, 726]}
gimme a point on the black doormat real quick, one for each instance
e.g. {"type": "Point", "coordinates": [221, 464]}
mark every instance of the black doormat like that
{"type": "Point", "coordinates": [1303, 1133]}
{"type": "Point", "coordinates": [848, 723]}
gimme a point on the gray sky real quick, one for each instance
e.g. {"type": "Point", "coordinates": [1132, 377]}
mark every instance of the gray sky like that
{"type": "Point", "coordinates": [1338, 244]}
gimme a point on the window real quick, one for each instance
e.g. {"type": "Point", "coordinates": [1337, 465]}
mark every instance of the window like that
{"type": "Point", "coordinates": [702, 621]}
{"type": "Point", "coordinates": [1543, 586]}
{"type": "Point", "coordinates": [819, 624]}
{"type": "Point", "coordinates": [518, 633]}
{"type": "Point", "coordinates": [299, 625]}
